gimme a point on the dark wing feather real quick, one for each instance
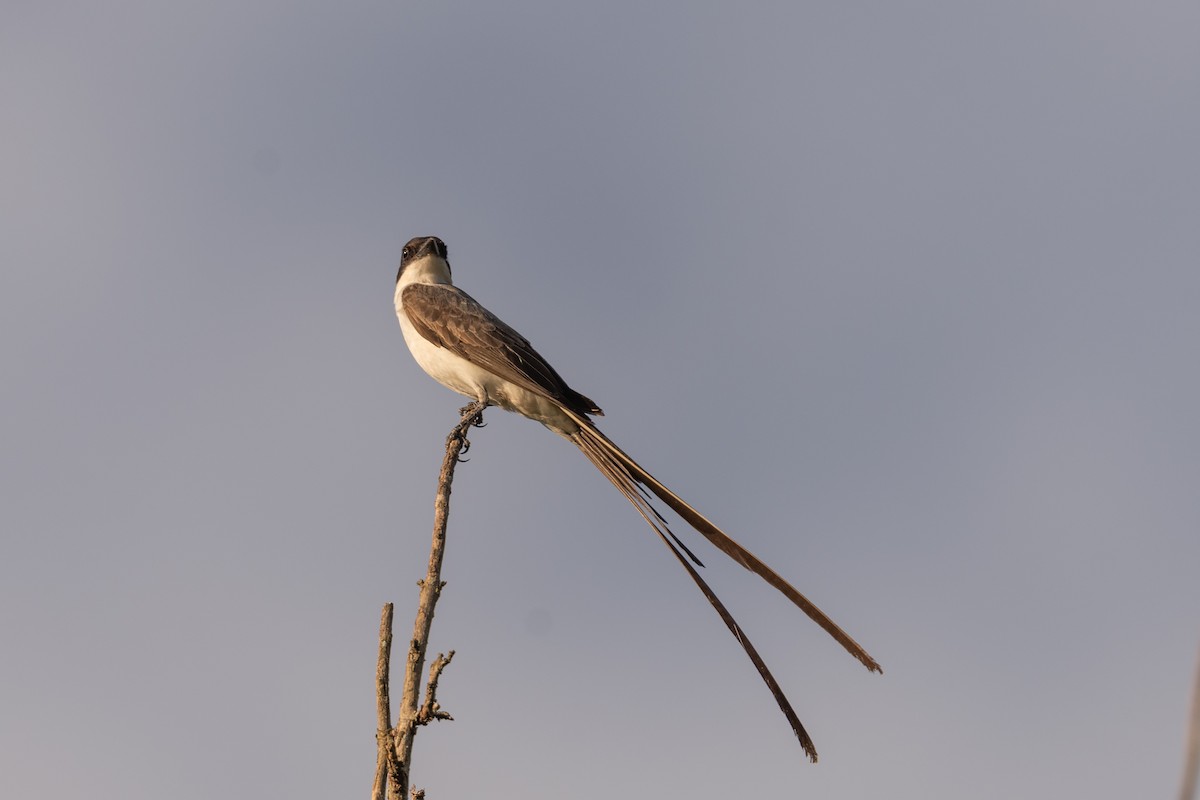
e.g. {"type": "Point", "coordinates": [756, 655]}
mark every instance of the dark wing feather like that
{"type": "Point", "coordinates": [451, 318]}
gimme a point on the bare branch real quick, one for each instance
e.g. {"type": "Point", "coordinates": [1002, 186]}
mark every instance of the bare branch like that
{"type": "Point", "coordinates": [1191, 758]}
{"type": "Point", "coordinates": [411, 711]}
{"type": "Point", "coordinates": [383, 702]}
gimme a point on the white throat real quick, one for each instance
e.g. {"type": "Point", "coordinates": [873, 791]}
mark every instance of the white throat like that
{"type": "Point", "coordinates": [430, 269]}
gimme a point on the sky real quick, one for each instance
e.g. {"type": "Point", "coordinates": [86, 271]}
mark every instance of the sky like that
{"type": "Point", "coordinates": [902, 295]}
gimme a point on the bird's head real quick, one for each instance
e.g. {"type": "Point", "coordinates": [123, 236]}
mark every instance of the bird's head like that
{"type": "Point", "coordinates": [424, 260]}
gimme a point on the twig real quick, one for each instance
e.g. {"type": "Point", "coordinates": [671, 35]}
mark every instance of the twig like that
{"type": "Point", "coordinates": [394, 769]}
{"type": "Point", "coordinates": [430, 710]}
{"type": "Point", "coordinates": [1191, 757]}
{"type": "Point", "coordinates": [383, 704]}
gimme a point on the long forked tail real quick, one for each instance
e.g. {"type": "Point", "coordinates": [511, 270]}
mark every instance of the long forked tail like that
{"type": "Point", "coordinates": [591, 440]}
{"type": "Point", "coordinates": [629, 477]}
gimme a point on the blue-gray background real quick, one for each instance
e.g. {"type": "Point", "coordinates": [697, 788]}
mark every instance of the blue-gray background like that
{"type": "Point", "coordinates": [904, 294]}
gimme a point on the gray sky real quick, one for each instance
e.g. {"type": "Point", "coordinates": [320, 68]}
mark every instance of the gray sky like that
{"type": "Point", "coordinates": [902, 294]}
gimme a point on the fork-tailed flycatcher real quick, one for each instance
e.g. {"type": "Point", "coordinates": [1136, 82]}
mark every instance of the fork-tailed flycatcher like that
{"type": "Point", "coordinates": [469, 349]}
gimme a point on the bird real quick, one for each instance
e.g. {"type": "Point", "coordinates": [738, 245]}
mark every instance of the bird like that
{"type": "Point", "coordinates": [468, 349]}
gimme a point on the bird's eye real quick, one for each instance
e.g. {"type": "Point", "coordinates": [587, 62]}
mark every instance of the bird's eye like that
{"type": "Point", "coordinates": [406, 252]}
